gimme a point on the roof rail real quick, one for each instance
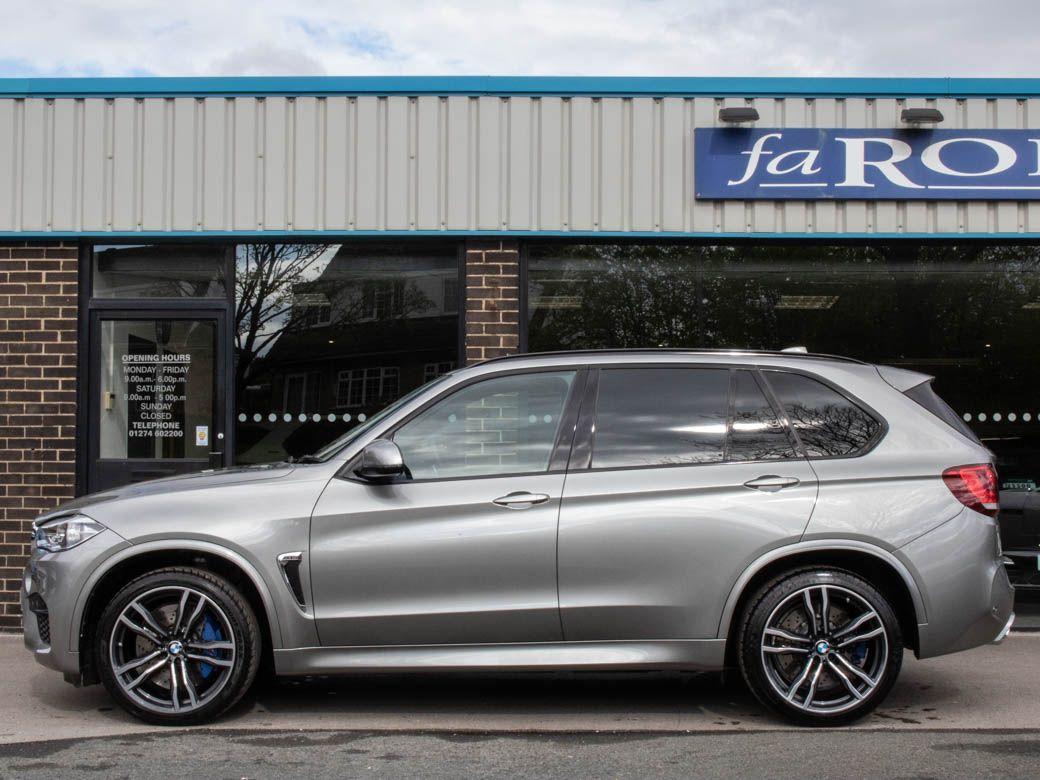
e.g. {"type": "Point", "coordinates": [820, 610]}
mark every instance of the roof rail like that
{"type": "Point", "coordinates": [681, 351]}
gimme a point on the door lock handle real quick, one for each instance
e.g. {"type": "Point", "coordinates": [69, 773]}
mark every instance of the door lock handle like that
{"type": "Point", "coordinates": [521, 500]}
{"type": "Point", "coordinates": [770, 483]}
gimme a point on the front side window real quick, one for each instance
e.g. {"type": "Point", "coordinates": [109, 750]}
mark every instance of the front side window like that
{"type": "Point", "coordinates": [504, 425]}
{"type": "Point", "coordinates": [828, 423]}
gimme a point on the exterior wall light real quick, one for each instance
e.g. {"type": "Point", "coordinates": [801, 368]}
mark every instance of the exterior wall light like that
{"type": "Point", "coordinates": [738, 114]}
{"type": "Point", "coordinates": [918, 115]}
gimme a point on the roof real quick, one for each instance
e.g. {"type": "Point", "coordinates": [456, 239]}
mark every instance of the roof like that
{"type": "Point", "coordinates": [612, 86]}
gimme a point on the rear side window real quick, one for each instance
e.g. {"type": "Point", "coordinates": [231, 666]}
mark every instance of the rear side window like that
{"type": "Point", "coordinates": [827, 422]}
{"type": "Point", "coordinates": [660, 417]}
{"type": "Point", "coordinates": [755, 431]}
{"type": "Point", "coordinates": [684, 416]}
{"type": "Point", "coordinates": [925, 395]}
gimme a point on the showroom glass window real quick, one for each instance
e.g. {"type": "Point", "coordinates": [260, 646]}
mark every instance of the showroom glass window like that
{"type": "Point", "coordinates": [968, 314]}
{"type": "Point", "coordinates": [328, 334]}
{"type": "Point", "coordinates": [159, 271]}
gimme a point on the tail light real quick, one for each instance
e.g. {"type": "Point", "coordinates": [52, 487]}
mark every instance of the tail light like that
{"type": "Point", "coordinates": [975, 486]}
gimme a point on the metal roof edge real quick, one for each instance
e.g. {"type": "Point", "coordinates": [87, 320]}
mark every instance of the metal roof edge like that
{"type": "Point", "coordinates": [588, 235]}
{"type": "Point", "coordinates": [532, 86]}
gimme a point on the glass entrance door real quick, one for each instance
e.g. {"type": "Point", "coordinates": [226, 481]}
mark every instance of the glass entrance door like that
{"type": "Point", "coordinates": [157, 405]}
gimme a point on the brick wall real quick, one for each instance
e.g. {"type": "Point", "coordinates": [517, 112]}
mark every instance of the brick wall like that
{"type": "Point", "coordinates": [38, 303]}
{"type": "Point", "coordinates": [492, 299]}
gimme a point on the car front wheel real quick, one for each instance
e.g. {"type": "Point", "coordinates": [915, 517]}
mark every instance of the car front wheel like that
{"type": "Point", "coordinates": [820, 646]}
{"type": "Point", "coordinates": [178, 646]}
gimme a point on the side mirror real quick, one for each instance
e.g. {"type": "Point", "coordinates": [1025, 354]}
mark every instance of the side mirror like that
{"type": "Point", "coordinates": [381, 461]}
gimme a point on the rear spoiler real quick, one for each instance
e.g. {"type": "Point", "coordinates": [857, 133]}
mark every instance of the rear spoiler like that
{"type": "Point", "coordinates": [902, 379]}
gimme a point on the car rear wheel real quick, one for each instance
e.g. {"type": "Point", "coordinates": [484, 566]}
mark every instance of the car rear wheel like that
{"type": "Point", "coordinates": [820, 646]}
{"type": "Point", "coordinates": [178, 646]}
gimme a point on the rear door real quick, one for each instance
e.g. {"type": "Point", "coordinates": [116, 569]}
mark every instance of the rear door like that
{"type": "Point", "coordinates": [680, 477]}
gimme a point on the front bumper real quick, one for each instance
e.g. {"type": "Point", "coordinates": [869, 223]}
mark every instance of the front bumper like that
{"type": "Point", "coordinates": [52, 587]}
{"type": "Point", "coordinates": [961, 574]}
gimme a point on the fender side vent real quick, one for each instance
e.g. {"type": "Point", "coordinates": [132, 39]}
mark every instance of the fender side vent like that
{"type": "Point", "coordinates": [290, 565]}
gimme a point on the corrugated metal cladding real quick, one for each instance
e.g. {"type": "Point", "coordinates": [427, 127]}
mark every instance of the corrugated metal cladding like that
{"type": "Point", "coordinates": [367, 163]}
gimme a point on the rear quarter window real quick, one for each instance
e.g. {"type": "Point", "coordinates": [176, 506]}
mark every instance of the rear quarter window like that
{"type": "Point", "coordinates": [828, 423]}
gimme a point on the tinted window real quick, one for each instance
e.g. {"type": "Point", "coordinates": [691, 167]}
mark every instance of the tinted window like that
{"type": "Point", "coordinates": [159, 271]}
{"type": "Point", "coordinates": [827, 422]}
{"type": "Point", "coordinates": [505, 425]}
{"type": "Point", "coordinates": [660, 416]}
{"type": "Point", "coordinates": [755, 431]}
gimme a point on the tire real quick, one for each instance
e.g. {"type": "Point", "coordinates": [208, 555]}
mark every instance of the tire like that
{"type": "Point", "coordinates": [178, 646]}
{"type": "Point", "coordinates": [811, 673]}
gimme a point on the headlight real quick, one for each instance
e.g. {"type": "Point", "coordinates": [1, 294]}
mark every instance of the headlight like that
{"type": "Point", "coordinates": [66, 532]}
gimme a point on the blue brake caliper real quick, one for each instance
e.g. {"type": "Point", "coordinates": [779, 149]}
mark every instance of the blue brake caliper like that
{"type": "Point", "coordinates": [859, 652]}
{"type": "Point", "coordinates": [210, 633]}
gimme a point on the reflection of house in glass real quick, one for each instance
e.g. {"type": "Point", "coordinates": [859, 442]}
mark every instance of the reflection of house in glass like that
{"type": "Point", "coordinates": [349, 330]}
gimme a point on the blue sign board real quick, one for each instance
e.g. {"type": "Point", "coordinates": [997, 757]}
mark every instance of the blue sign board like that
{"type": "Point", "coordinates": [866, 164]}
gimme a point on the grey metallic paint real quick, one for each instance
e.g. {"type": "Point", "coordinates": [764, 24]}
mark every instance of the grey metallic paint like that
{"type": "Point", "coordinates": [651, 561]}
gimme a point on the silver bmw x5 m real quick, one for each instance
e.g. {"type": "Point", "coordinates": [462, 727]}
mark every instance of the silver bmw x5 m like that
{"type": "Point", "coordinates": [803, 517]}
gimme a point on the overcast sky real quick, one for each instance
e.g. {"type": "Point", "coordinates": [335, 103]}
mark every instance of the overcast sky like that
{"type": "Point", "coordinates": [540, 37]}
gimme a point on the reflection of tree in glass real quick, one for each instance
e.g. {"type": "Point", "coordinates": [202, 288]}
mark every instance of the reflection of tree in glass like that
{"type": "Point", "coordinates": [641, 296]}
{"type": "Point", "coordinates": [828, 430]}
{"type": "Point", "coordinates": [754, 436]}
{"type": "Point", "coordinates": [283, 291]}
{"type": "Point", "coordinates": [878, 302]}
{"type": "Point", "coordinates": [265, 276]}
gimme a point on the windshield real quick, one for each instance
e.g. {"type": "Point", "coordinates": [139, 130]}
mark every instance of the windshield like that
{"type": "Point", "coordinates": [336, 445]}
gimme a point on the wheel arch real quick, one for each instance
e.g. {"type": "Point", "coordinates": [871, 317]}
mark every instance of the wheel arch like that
{"type": "Point", "coordinates": [881, 568]}
{"type": "Point", "coordinates": [140, 559]}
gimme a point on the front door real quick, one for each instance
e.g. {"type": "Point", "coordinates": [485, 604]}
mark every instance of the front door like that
{"type": "Point", "coordinates": [156, 398]}
{"type": "Point", "coordinates": [464, 552]}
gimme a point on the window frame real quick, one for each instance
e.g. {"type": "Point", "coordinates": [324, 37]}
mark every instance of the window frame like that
{"type": "Point", "coordinates": [584, 442]}
{"type": "Point", "coordinates": [862, 405]}
{"type": "Point", "coordinates": [303, 392]}
{"type": "Point", "coordinates": [767, 393]}
{"type": "Point", "coordinates": [344, 375]}
{"type": "Point", "coordinates": [558, 455]}
{"type": "Point", "coordinates": [446, 283]}
{"type": "Point", "coordinates": [584, 446]}
{"type": "Point", "coordinates": [428, 377]}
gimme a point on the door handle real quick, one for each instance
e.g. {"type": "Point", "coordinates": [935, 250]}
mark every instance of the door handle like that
{"type": "Point", "coordinates": [521, 500]}
{"type": "Point", "coordinates": [770, 483]}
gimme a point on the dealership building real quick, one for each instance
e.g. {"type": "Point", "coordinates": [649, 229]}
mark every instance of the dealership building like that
{"type": "Point", "coordinates": [199, 273]}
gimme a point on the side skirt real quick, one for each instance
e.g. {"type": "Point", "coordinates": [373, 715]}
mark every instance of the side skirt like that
{"type": "Point", "coordinates": [691, 654]}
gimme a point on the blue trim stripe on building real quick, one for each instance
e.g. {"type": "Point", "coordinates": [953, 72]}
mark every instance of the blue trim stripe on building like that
{"type": "Point", "coordinates": [334, 236]}
{"type": "Point", "coordinates": [619, 86]}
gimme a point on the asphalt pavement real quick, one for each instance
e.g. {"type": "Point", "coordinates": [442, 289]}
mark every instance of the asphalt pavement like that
{"type": "Point", "coordinates": [966, 715]}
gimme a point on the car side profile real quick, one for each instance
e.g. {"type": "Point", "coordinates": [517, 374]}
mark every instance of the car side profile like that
{"type": "Point", "coordinates": [805, 518]}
